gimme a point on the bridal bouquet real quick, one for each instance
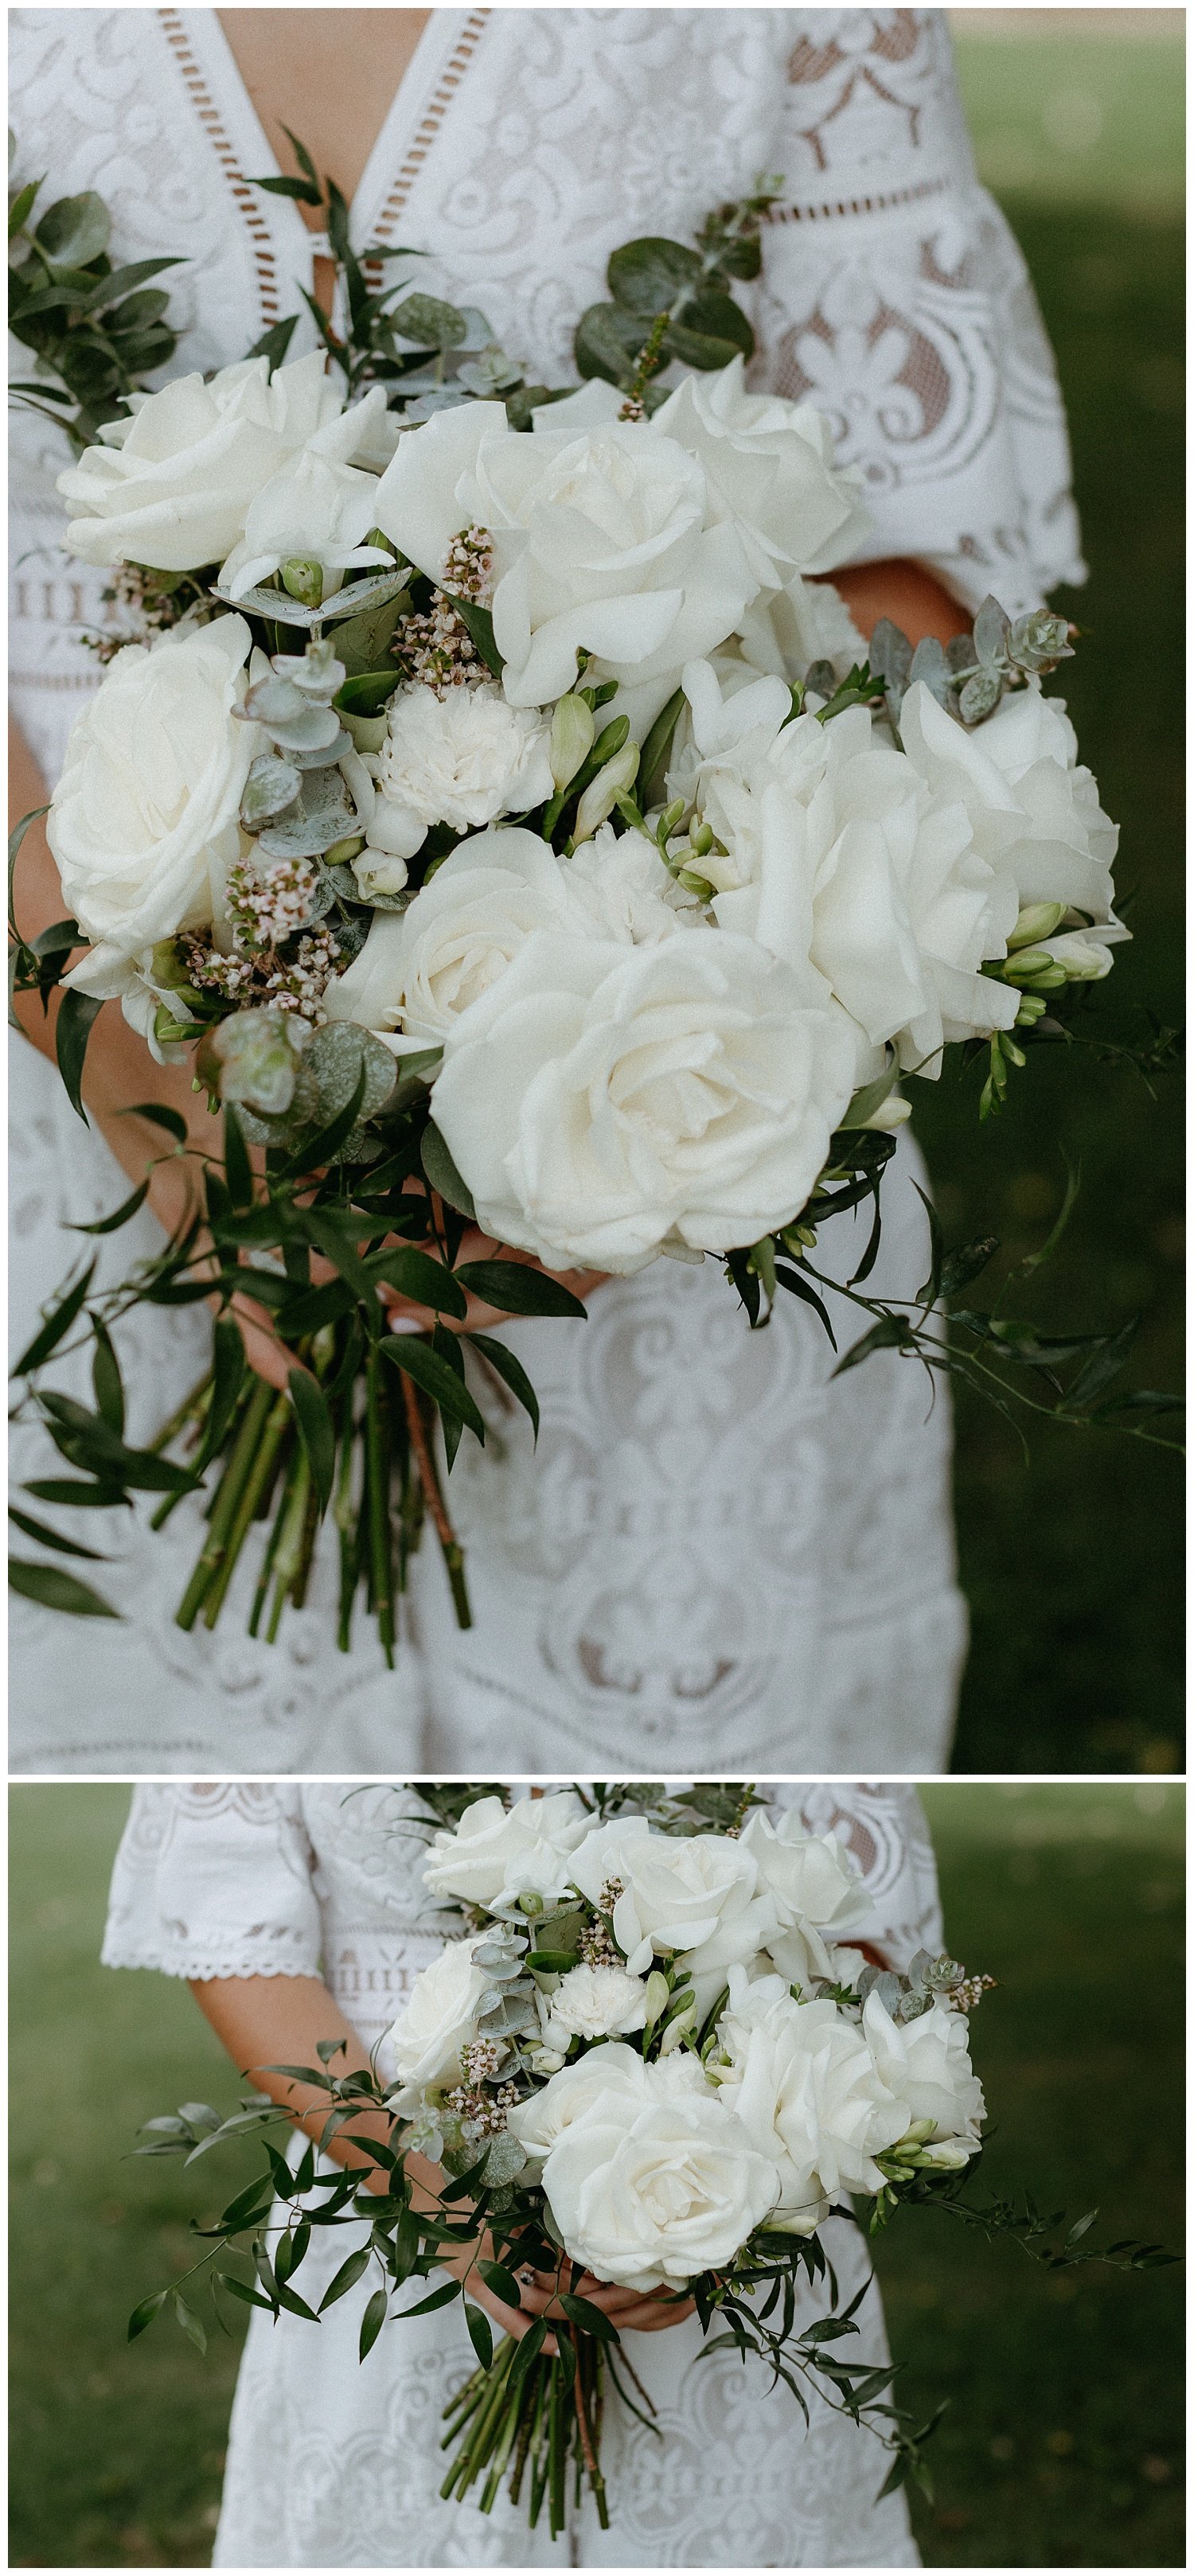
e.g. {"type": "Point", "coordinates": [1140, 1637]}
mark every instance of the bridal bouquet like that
{"type": "Point", "coordinates": [650, 2057]}
{"type": "Point", "coordinates": [513, 837]}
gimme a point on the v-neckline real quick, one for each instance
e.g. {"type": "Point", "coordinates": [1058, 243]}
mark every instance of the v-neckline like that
{"type": "Point", "coordinates": [438, 40]}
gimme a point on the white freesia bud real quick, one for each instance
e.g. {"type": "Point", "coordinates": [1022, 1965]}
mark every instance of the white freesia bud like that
{"type": "Point", "coordinates": [890, 1114]}
{"type": "Point", "coordinates": [573, 727]}
{"type": "Point", "coordinates": [601, 796]}
{"type": "Point", "coordinates": [679, 2030]}
{"type": "Point", "coordinates": [1085, 960]}
{"type": "Point", "coordinates": [656, 1997]}
{"type": "Point", "coordinates": [1036, 921]}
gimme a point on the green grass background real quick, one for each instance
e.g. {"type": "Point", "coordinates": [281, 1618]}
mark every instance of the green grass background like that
{"type": "Point", "coordinates": [1061, 2443]}
{"type": "Point", "coordinates": [1072, 1564]}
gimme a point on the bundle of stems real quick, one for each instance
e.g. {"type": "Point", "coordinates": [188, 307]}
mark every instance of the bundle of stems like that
{"type": "Point", "coordinates": [536, 2417]}
{"type": "Point", "coordinates": [385, 1482]}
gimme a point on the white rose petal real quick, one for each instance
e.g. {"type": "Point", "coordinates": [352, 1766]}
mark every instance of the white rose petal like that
{"type": "Point", "coordinates": [144, 820]}
{"type": "Point", "coordinates": [174, 484]}
{"type": "Point", "coordinates": [806, 2088]}
{"type": "Point", "coordinates": [604, 538]}
{"type": "Point", "coordinates": [656, 2193]}
{"type": "Point", "coordinates": [496, 1853]}
{"type": "Point", "coordinates": [1033, 811]}
{"type": "Point", "coordinates": [695, 1896]}
{"type": "Point", "coordinates": [317, 507]}
{"type": "Point", "coordinates": [769, 473]}
{"type": "Point", "coordinates": [599, 1100]}
{"type": "Point", "coordinates": [926, 2064]}
{"type": "Point", "coordinates": [423, 2046]}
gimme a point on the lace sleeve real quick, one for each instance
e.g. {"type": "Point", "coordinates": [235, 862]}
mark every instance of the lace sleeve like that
{"type": "Point", "coordinates": [885, 1830]}
{"type": "Point", "coordinates": [215, 1881]}
{"type": "Point", "coordinates": [895, 298]}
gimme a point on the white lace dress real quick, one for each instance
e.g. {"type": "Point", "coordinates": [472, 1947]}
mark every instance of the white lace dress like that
{"type": "Point", "coordinates": [718, 1559]}
{"type": "Point", "coordinates": [335, 2465]}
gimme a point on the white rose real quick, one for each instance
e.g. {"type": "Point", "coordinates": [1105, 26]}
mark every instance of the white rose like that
{"type": "Point", "coordinates": [173, 485]}
{"type": "Point", "coordinates": [437, 2020]}
{"type": "Point", "coordinates": [144, 820]}
{"type": "Point", "coordinates": [813, 1886]}
{"type": "Point", "coordinates": [805, 2087]}
{"type": "Point", "coordinates": [497, 1852]}
{"type": "Point", "coordinates": [1034, 813]}
{"type": "Point", "coordinates": [595, 2003]}
{"type": "Point", "coordinates": [599, 2076]}
{"type": "Point", "coordinates": [926, 2064]}
{"type": "Point", "coordinates": [770, 471]}
{"type": "Point", "coordinates": [461, 759]}
{"type": "Point", "coordinates": [652, 2195]}
{"type": "Point", "coordinates": [840, 860]}
{"type": "Point", "coordinates": [680, 1893]}
{"type": "Point", "coordinates": [317, 507]}
{"type": "Point", "coordinates": [600, 1101]}
{"type": "Point", "coordinates": [603, 538]}
{"type": "Point", "coordinates": [420, 969]}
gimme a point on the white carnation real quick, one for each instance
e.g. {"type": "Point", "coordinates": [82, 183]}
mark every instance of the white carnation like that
{"type": "Point", "coordinates": [595, 2003]}
{"type": "Point", "coordinates": [462, 759]}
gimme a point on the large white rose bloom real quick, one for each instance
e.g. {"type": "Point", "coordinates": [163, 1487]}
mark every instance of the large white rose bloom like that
{"type": "Point", "coordinates": [611, 2068]}
{"type": "Point", "coordinates": [770, 471]}
{"type": "Point", "coordinates": [173, 485]}
{"type": "Point", "coordinates": [926, 2064]}
{"type": "Point", "coordinates": [813, 1887]}
{"type": "Point", "coordinates": [496, 1853]}
{"type": "Point", "coordinates": [650, 2194]}
{"type": "Point", "coordinates": [144, 820]}
{"type": "Point", "coordinates": [419, 970]}
{"type": "Point", "coordinates": [439, 2017]}
{"type": "Point", "coordinates": [461, 759]}
{"type": "Point", "coordinates": [679, 1893]}
{"type": "Point", "coordinates": [600, 1100]}
{"type": "Point", "coordinates": [603, 537]}
{"type": "Point", "coordinates": [1033, 810]}
{"type": "Point", "coordinates": [839, 859]}
{"type": "Point", "coordinates": [805, 2086]}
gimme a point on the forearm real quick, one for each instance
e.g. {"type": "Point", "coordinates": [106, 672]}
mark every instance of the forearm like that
{"type": "Point", "coordinates": [268, 2021]}
{"type": "Point", "coordinates": [903, 591]}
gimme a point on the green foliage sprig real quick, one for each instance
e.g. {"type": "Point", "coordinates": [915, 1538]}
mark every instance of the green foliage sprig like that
{"type": "Point", "coordinates": [96, 330]}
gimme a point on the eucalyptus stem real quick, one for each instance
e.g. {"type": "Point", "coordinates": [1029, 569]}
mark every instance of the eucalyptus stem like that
{"type": "Point", "coordinates": [195, 1404]}
{"type": "Point", "coordinates": [289, 1549]}
{"type": "Point", "coordinates": [453, 1553]}
{"type": "Point", "coordinates": [260, 1595]}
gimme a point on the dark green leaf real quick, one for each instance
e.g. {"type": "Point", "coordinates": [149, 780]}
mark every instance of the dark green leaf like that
{"type": "Point", "coordinates": [709, 332]}
{"type": "Point", "coordinates": [528, 2351]}
{"type": "Point", "coordinates": [429, 323]}
{"type": "Point", "coordinates": [501, 2282]}
{"type": "Point", "coordinates": [305, 190]}
{"type": "Point", "coordinates": [120, 1216]}
{"type": "Point", "coordinates": [74, 231]}
{"type": "Point", "coordinates": [373, 2320]}
{"type": "Point", "coordinates": [607, 341]}
{"type": "Point", "coordinates": [511, 1370]}
{"type": "Point", "coordinates": [440, 2298]}
{"type": "Point", "coordinates": [107, 1384]}
{"type": "Point", "coordinates": [346, 2278]}
{"type": "Point", "coordinates": [57, 1590]}
{"type": "Point", "coordinates": [1102, 1365]}
{"type": "Point", "coordinates": [418, 1361]}
{"type": "Point", "coordinates": [480, 2334]}
{"type": "Point", "coordinates": [890, 1333]}
{"type": "Point", "coordinates": [189, 2322]}
{"type": "Point", "coordinates": [171, 1119]}
{"type": "Point", "coordinates": [367, 692]}
{"type": "Point", "coordinates": [57, 1324]}
{"type": "Point", "coordinates": [646, 276]}
{"type": "Point", "coordinates": [442, 1173]}
{"type": "Point", "coordinates": [238, 1171]}
{"type": "Point", "coordinates": [318, 1436]}
{"type": "Point", "coordinates": [73, 1496]}
{"type": "Point", "coordinates": [144, 2313]}
{"type": "Point", "coordinates": [40, 1530]}
{"type": "Point", "coordinates": [960, 1267]}
{"type": "Point", "coordinates": [274, 343]}
{"type": "Point", "coordinates": [518, 1288]}
{"type": "Point", "coordinates": [656, 748]}
{"type": "Point", "coordinates": [480, 626]}
{"type": "Point", "coordinates": [419, 1276]}
{"type": "Point", "coordinates": [76, 1018]}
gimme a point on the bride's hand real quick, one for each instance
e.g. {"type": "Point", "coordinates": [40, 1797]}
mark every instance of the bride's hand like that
{"type": "Point", "coordinates": [630, 2311]}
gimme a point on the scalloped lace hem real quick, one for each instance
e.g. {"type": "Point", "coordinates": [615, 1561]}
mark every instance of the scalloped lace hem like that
{"type": "Point", "coordinates": [204, 1965]}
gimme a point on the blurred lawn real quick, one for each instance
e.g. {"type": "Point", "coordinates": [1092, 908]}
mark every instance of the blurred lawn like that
{"type": "Point", "coordinates": [1073, 1564]}
{"type": "Point", "coordinates": [1060, 2447]}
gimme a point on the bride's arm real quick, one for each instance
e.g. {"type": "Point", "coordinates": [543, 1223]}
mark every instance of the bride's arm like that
{"type": "Point", "coordinates": [267, 2021]}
